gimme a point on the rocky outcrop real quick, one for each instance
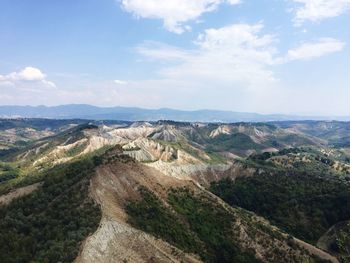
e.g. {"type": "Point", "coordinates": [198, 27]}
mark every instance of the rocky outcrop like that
{"type": "Point", "coordinates": [222, 129]}
{"type": "Point", "coordinates": [187, 171]}
{"type": "Point", "coordinates": [146, 150]}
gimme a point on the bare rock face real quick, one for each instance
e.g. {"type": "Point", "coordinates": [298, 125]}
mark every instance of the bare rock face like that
{"type": "Point", "coordinates": [146, 150]}
{"type": "Point", "coordinates": [222, 129]}
{"type": "Point", "coordinates": [117, 242]}
{"type": "Point", "coordinates": [167, 133]}
{"type": "Point", "coordinates": [133, 133]}
{"type": "Point", "coordinates": [186, 171]}
{"type": "Point", "coordinates": [167, 159]}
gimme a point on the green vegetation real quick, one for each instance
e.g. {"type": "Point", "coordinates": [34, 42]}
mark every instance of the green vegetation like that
{"type": "Point", "coordinates": [38, 124]}
{"type": "Point", "coordinates": [22, 159]}
{"type": "Point", "coordinates": [76, 150]}
{"type": "Point", "coordinates": [212, 224]}
{"type": "Point", "coordinates": [305, 160]}
{"type": "Point", "coordinates": [151, 215]}
{"type": "Point", "coordinates": [215, 158]}
{"type": "Point", "coordinates": [342, 242]}
{"type": "Point", "coordinates": [7, 172]}
{"type": "Point", "coordinates": [192, 223]}
{"type": "Point", "coordinates": [296, 189]}
{"type": "Point", "coordinates": [301, 204]}
{"type": "Point", "coordinates": [50, 224]}
{"type": "Point", "coordinates": [246, 137]}
{"type": "Point", "coordinates": [8, 152]}
{"type": "Point", "coordinates": [68, 135]}
{"type": "Point", "coordinates": [236, 141]}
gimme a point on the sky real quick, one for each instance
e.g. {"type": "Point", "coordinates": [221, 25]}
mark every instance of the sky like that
{"type": "Point", "coordinates": [264, 56]}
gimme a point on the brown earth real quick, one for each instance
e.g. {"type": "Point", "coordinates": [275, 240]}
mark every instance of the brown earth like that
{"type": "Point", "coordinates": [19, 192]}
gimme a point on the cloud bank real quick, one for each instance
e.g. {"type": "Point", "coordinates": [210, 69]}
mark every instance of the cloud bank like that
{"type": "Point", "coordinates": [25, 76]}
{"type": "Point", "coordinates": [174, 13]}
{"type": "Point", "coordinates": [316, 49]}
{"type": "Point", "coordinates": [317, 10]}
{"type": "Point", "coordinates": [236, 54]}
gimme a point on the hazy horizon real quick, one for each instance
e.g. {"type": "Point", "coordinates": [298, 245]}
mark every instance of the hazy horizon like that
{"type": "Point", "coordinates": [293, 116]}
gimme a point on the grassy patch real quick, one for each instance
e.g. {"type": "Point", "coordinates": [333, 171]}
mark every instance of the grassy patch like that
{"type": "Point", "coordinates": [229, 142]}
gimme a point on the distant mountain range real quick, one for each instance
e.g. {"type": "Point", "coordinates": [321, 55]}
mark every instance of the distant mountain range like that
{"type": "Point", "coordinates": [84, 111]}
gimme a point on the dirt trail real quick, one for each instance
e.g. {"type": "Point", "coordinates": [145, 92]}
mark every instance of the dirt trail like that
{"type": "Point", "coordinates": [19, 192]}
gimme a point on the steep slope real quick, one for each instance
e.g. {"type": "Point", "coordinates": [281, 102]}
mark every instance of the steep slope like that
{"type": "Point", "coordinates": [291, 184]}
{"type": "Point", "coordinates": [122, 187]}
{"type": "Point", "coordinates": [116, 241]}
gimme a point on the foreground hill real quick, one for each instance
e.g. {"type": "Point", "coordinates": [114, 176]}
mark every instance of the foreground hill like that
{"type": "Point", "coordinates": [172, 192]}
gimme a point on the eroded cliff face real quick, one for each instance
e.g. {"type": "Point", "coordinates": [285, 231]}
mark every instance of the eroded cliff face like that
{"type": "Point", "coordinates": [117, 242]}
{"type": "Point", "coordinates": [162, 147]}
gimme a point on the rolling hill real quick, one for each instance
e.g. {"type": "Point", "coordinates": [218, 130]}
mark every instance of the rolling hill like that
{"type": "Point", "coordinates": [93, 191]}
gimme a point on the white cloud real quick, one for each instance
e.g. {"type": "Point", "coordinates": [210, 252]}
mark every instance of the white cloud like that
{"type": "Point", "coordinates": [239, 55]}
{"type": "Point", "coordinates": [26, 75]}
{"type": "Point", "coordinates": [162, 52]}
{"type": "Point", "coordinates": [317, 10]}
{"type": "Point", "coordinates": [120, 82]}
{"type": "Point", "coordinates": [316, 49]}
{"type": "Point", "coordinates": [174, 13]}
{"type": "Point", "coordinates": [236, 53]}
{"type": "Point", "coordinates": [29, 74]}
{"type": "Point", "coordinates": [231, 67]}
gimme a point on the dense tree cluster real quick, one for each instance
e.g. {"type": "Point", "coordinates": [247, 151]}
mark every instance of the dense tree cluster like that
{"type": "Point", "coordinates": [50, 224]}
{"type": "Point", "coordinates": [303, 205]}
{"type": "Point", "coordinates": [191, 223]}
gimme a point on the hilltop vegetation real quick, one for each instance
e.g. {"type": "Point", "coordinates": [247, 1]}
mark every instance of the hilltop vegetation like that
{"type": "Point", "coordinates": [198, 223]}
{"type": "Point", "coordinates": [302, 204]}
{"type": "Point", "coordinates": [191, 223]}
{"type": "Point", "coordinates": [7, 172]}
{"type": "Point", "coordinates": [50, 224]}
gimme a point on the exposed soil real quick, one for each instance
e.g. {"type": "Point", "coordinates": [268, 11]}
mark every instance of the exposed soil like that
{"type": "Point", "coordinates": [19, 192]}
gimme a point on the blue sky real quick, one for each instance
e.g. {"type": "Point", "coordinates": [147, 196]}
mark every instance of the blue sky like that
{"type": "Point", "coordinates": [267, 56]}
